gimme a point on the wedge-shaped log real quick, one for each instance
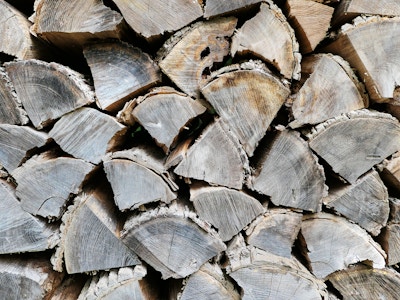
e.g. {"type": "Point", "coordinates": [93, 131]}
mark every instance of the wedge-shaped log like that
{"type": "Point", "coordinates": [353, 143]}
{"type": "Point", "coordinates": [390, 171]}
{"type": "Point", "coordinates": [247, 97]}
{"type": "Point", "coordinates": [137, 177]}
{"type": "Point", "coordinates": [172, 240]}
{"type": "Point", "coordinates": [45, 183]}
{"type": "Point", "coordinates": [310, 20]}
{"type": "Point", "coordinates": [318, 98]}
{"type": "Point", "coordinates": [288, 171]}
{"type": "Point", "coordinates": [70, 24]}
{"type": "Point", "coordinates": [263, 275]}
{"type": "Point", "coordinates": [191, 52]}
{"type": "Point", "coordinates": [382, 83]}
{"type": "Point", "coordinates": [208, 283]}
{"type": "Point", "coordinates": [23, 278]}
{"type": "Point", "coordinates": [153, 18]}
{"type": "Point", "coordinates": [333, 243]}
{"type": "Point", "coordinates": [362, 283]}
{"type": "Point", "coordinates": [275, 231]}
{"type": "Point", "coordinates": [394, 216]}
{"type": "Point", "coordinates": [16, 143]}
{"type": "Point", "coordinates": [366, 202]}
{"type": "Point", "coordinates": [90, 236]}
{"type": "Point", "coordinates": [216, 157]}
{"type": "Point", "coordinates": [164, 112]}
{"type": "Point", "coordinates": [120, 71]}
{"type": "Point", "coordinates": [90, 135]}
{"type": "Point", "coordinates": [269, 36]}
{"type": "Point", "coordinates": [229, 211]}
{"type": "Point", "coordinates": [390, 241]}
{"type": "Point", "coordinates": [48, 90]}
{"type": "Point", "coordinates": [214, 8]}
{"type": "Point", "coordinates": [20, 231]}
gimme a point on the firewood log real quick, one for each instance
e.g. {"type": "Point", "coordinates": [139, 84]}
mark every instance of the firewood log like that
{"type": "Point", "coordinates": [269, 36]}
{"type": "Point", "coordinates": [247, 97]}
{"type": "Point", "coordinates": [353, 143]}
{"type": "Point", "coordinates": [390, 171]}
{"type": "Point", "coordinates": [288, 171]}
{"type": "Point", "coordinates": [213, 8]}
{"type": "Point", "coordinates": [333, 243]}
{"type": "Point", "coordinates": [70, 288]}
{"type": "Point", "coordinates": [172, 240]}
{"type": "Point", "coordinates": [394, 216]}
{"type": "Point", "coordinates": [390, 241]}
{"type": "Point", "coordinates": [120, 72]}
{"type": "Point", "coordinates": [48, 90]}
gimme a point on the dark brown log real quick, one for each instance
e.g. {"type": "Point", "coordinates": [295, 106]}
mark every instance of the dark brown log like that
{"type": "Point", "coordinates": [69, 289]}
{"type": "Point", "coordinates": [214, 8]}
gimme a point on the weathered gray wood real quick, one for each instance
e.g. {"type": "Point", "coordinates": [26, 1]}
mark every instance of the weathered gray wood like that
{"type": "Point", "coordinates": [216, 157]}
{"type": "Point", "coordinates": [45, 183]}
{"type": "Point", "coordinates": [90, 236]}
{"type": "Point", "coordinates": [390, 241]}
{"type": "Point", "coordinates": [214, 8]}
{"type": "Point", "coordinates": [178, 153]}
{"type": "Point", "coordinates": [172, 240]}
{"type": "Point", "coordinates": [390, 171]}
{"type": "Point", "coordinates": [365, 202]}
{"type": "Point", "coordinates": [48, 90]}
{"type": "Point", "coordinates": [275, 231]}
{"type": "Point", "coordinates": [120, 71]}
{"type": "Point", "coordinates": [88, 134]}
{"type": "Point", "coordinates": [229, 211]}
{"type": "Point", "coordinates": [318, 98]}
{"type": "Point", "coordinates": [394, 210]}
{"type": "Point", "coordinates": [20, 231]}
{"type": "Point", "coordinates": [288, 171]}
{"type": "Point", "coordinates": [247, 97]}
{"type": "Point", "coordinates": [269, 36]}
{"type": "Point", "coordinates": [192, 51]}
{"type": "Point", "coordinates": [333, 243]}
{"type": "Point", "coordinates": [353, 143]}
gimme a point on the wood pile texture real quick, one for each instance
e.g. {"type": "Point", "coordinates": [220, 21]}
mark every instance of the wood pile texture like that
{"type": "Point", "coordinates": [215, 149]}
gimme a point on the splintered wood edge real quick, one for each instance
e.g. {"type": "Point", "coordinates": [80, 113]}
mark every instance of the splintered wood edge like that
{"type": "Point", "coordinates": [362, 20]}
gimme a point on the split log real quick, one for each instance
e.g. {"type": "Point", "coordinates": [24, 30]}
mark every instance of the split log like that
{"type": "Point", "coordinates": [178, 153]}
{"type": "Point", "coordinates": [48, 90]}
{"type": "Point", "coordinates": [16, 144]}
{"type": "Point", "coordinates": [70, 24]}
{"type": "Point", "coordinates": [45, 183]}
{"type": "Point", "coordinates": [216, 157]}
{"type": "Point", "coordinates": [247, 97]}
{"type": "Point", "coordinates": [269, 36]}
{"type": "Point", "coordinates": [353, 143]}
{"type": "Point", "coordinates": [172, 240]}
{"type": "Point", "coordinates": [90, 135]}
{"type": "Point", "coordinates": [90, 236]}
{"type": "Point", "coordinates": [191, 52]}
{"type": "Point", "coordinates": [229, 211]}
{"type": "Point", "coordinates": [288, 171]}
{"type": "Point", "coordinates": [164, 112]}
{"type": "Point", "coordinates": [20, 231]}
{"type": "Point", "coordinates": [275, 231]}
{"type": "Point", "coordinates": [27, 278]}
{"type": "Point", "coordinates": [394, 216]}
{"type": "Point", "coordinates": [137, 180]}
{"type": "Point", "coordinates": [208, 283]}
{"type": "Point", "coordinates": [382, 83]}
{"type": "Point", "coordinates": [365, 202]}
{"type": "Point", "coordinates": [119, 72]}
{"type": "Point", "coordinates": [69, 289]}
{"type": "Point", "coordinates": [318, 99]}
{"type": "Point", "coordinates": [390, 171]}
{"type": "Point", "coordinates": [310, 20]}
{"type": "Point", "coordinates": [390, 241]}
{"type": "Point", "coordinates": [215, 8]}
{"type": "Point", "coordinates": [333, 243]}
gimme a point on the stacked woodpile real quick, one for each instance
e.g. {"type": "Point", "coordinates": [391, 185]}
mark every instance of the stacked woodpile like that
{"type": "Point", "coordinates": [216, 149]}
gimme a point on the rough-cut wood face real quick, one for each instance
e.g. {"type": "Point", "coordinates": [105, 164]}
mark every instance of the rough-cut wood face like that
{"type": "Point", "coordinates": [214, 8]}
{"type": "Point", "coordinates": [391, 238]}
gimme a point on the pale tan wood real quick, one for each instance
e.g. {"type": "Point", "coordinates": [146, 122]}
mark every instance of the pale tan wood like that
{"type": "Point", "coordinates": [90, 135]}
{"type": "Point", "coordinates": [394, 216]}
{"type": "Point", "coordinates": [247, 97]}
{"type": "Point", "coordinates": [288, 172]}
{"type": "Point", "coordinates": [214, 8]}
{"type": "Point", "coordinates": [120, 72]}
{"type": "Point", "coordinates": [48, 90]}
{"type": "Point", "coordinates": [154, 18]}
{"type": "Point", "coordinates": [333, 243]}
{"type": "Point", "coordinates": [354, 142]}
{"type": "Point", "coordinates": [390, 171]}
{"type": "Point", "coordinates": [189, 53]}
{"type": "Point", "coordinates": [178, 153]}
{"type": "Point", "coordinates": [216, 157]}
{"type": "Point", "coordinates": [318, 98]}
{"type": "Point", "coordinates": [365, 202]}
{"type": "Point", "coordinates": [310, 20]}
{"type": "Point", "coordinates": [229, 211]}
{"type": "Point", "coordinates": [269, 36]}
{"type": "Point", "coordinates": [173, 240]}
{"type": "Point", "coordinates": [275, 231]}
